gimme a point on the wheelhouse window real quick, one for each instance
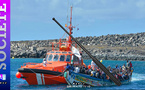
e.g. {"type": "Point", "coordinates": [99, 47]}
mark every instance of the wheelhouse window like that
{"type": "Point", "coordinates": [55, 58]}
{"type": "Point", "coordinates": [50, 57]}
{"type": "Point", "coordinates": [62, 57]}
{"type": "Point", "coordinates": [75, 59]}
{"type": "Point", "coordinates": [68, 58]}
{"type": "Point", "coordinates": [64, 52]}
{"type": "Point", "coordinates": [46, 57]}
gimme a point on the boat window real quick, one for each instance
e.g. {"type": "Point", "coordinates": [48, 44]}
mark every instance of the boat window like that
{"type": "Point", "coordinates": [52, 52]}
{"type": "Point", "coordinates": [69, 52]}
{"type": "Point", "coordinates": [57, 52]}
{"type": "Point", "coordinates": [62, 57]}
{"type": "Point", "coordinates": [75, 58]}
{"type": "Point", "coordinates": [64, 52]}
{"type": "Point", "coordinates": [50, 57]}
{"type": "Point", "coordinates": [55, 58]}
{"type": "Point", "coordinates": [46, 57]}
{"type": "Point", "coordinates": [68, 58]}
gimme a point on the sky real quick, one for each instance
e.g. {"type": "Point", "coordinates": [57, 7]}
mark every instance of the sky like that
{"type": "Point", "coordinates": [32, 19]}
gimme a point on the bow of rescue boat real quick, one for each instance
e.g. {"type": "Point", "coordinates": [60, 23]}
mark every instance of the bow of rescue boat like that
{"type": "Point", "coordinates": [42, 75]}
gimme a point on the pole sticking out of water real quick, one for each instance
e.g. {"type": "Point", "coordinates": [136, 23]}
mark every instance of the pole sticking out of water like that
{"type": "Point", "coordinates": [100, 65]}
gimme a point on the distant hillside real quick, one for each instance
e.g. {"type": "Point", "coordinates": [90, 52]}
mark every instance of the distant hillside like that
{"type": "Point", "coordinates": [109, 47]}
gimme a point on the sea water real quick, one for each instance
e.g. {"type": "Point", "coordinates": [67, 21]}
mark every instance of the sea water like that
{"type": "Point", "coordinates": [138, 76]}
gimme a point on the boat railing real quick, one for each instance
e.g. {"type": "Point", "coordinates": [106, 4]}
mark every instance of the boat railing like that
{"type": "Point", "coordinates": [56, 45]}
{"type": "Point", "coordinates": [29, 63]}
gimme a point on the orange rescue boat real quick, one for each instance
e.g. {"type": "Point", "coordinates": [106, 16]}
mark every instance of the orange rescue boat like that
{"type": "Point", "coordinates": [50, 72]}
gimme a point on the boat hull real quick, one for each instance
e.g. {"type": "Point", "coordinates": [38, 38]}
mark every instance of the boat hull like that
{"type": "Point", "coordinates": [88, 80]}
{"type": "Point", "coordinates": [41, 77]}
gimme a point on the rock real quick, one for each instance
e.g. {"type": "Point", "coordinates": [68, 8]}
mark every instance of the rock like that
{"type": "Point", "coordinates": [110, 47]}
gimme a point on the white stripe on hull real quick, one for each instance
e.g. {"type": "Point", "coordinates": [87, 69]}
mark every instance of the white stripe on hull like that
{"type": "Point", "coordinates": [43, 79]}
{"type": "Point", "coordinates": [39, 80]}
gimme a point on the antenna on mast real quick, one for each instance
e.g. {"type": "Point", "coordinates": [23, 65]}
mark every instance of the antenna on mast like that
{"type": "Point", "coordinates": [70, 27]}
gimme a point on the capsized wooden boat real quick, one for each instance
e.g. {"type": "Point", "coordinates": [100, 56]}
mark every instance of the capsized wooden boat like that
{"type": "Point", "coordinates": [74, 79]}
{"type": "Point", "coordinates": [56, 61]}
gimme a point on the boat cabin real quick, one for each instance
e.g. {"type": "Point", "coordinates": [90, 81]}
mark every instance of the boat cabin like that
{"type": "Point", "coordinates": [63, 56]}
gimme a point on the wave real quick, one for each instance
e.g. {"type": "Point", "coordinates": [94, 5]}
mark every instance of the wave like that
{"type": "Point", "coordinates": [137, 77]}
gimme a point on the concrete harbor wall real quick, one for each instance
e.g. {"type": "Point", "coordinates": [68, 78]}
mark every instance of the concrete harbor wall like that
{"type": "Point", "coordinates": [108, 47]}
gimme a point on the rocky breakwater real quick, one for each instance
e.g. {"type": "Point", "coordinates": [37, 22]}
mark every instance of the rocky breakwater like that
{"type": "Point", "coordinates": [109, 47]}
{"type": "Point", "coordinates": [30, 49]}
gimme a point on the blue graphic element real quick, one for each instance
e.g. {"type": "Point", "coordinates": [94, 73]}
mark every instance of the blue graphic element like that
{"type": "Point", "coordinates": [2, 76]}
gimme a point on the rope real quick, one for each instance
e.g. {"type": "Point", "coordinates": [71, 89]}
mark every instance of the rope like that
{"type": "Point", "coordinates": [67, 10]}
{"type": "Point", "coordinates": [63, 36]}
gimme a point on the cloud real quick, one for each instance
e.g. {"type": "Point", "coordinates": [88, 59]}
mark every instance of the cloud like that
{"type": "Point", "coordinates": [108, 15]}
{"type": "Point", "coordinates": [36, 10]}
{"type": "Point", "coordinates": [82, 9]}
{"type": "Point", "coordinates": [112, 9]}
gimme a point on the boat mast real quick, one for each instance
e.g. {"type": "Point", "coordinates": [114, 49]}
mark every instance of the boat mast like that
{"type": "Point", "coordinates": [70, 30]}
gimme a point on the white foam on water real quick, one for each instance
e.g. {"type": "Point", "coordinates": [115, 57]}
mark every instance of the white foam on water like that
{"type": "Point", "coordinates": [137, 77]}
